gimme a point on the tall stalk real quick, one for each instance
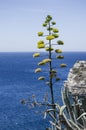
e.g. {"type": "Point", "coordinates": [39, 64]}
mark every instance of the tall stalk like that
{"type": "Point", "coordinates": [50, 69]}
{"type": "Point", "coordinates": [48, 46]}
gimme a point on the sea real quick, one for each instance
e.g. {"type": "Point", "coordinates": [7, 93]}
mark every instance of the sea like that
{"type": "Point", "coordinates": [18, 82]}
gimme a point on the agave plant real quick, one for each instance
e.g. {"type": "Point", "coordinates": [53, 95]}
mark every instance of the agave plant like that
{"type": "Point", "coordinates": [70, 116]}
{"type": "Point", "coordinates": [50, 46]}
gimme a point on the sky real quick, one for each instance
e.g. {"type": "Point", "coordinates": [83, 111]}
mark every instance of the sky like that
{"type": "Point", "coordinates": [21, 20]}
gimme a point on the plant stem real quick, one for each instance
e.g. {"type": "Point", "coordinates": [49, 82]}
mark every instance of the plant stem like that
{"type": "Point", "coordinates": [50, 73]}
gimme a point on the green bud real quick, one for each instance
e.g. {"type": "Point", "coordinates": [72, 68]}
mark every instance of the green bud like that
{"type": "Point", "coordinates": [60, 42]}
{"type": "Point", "coordinates": [55, 30]}
{"type": "Point", "coordinates": [53, 23]}
{"type": "Point", "coordinates": [44, 24]}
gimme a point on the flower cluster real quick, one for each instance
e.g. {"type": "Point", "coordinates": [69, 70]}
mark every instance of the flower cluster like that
{"type": "Point", "coordinates": [40, 44]}
{"type": "Point", "coordinates": [49, 75]}
{"type": "Point", "coordinates": [48, 46]}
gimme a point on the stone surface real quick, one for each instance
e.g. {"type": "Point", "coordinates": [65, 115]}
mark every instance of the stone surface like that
{"type": "Point", "coordinates": [76, 82]}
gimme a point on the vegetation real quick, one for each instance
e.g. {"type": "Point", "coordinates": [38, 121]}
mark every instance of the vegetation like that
{"type": "Point", "coordinates": [72, 115]}
{"type": "Point", "coordinates": [50, 47]}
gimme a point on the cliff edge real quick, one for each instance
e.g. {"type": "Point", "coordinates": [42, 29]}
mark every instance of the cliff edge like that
{"type": "Point", "coordinates": [76, 81]}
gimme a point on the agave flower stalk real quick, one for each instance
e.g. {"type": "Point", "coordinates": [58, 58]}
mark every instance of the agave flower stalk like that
{"type": "Point", "coordinates": [50, 71]}
{"type": "Point", "coordinates": [48, 46]}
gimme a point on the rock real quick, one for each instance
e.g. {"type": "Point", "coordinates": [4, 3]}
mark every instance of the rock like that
{"type": "Point", "coordinates": [76, 81]}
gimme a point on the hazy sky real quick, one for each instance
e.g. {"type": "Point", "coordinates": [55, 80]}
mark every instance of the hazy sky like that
{"type": "Point", "coordinates": [20, 20]}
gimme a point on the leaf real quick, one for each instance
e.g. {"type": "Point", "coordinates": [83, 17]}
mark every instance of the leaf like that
{"type": "Point", "coordinates": [58, 106]}
{"type": "Point", "coordinates": [62, 109]}
{"type": "Point", "coordinates": [75, 125]}
{"type": "Point", "coordinates": [53, 124]}
{"type": "Point", "coordinates": [83, 114]}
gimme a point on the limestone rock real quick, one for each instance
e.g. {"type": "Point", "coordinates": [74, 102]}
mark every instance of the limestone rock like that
{"type": "Point", "coordinates": [76, 82]}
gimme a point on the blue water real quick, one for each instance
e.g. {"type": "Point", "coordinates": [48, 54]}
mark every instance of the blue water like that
{"type": "Point", "coordinates": [18, 81]}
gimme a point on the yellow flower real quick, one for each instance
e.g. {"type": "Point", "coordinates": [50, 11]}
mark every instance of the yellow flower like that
{"type": "Point", "coordinates": [55, 35]}
{"type": "Point", "coordinates": [40, 42]}
{"type": "Point", "coordinates": [55, 30]}
{"type": "Point", "coordinates": [40, 33]}
{"type": "Point", "coordinates": [46, 60]}
{"type": "Point", "coordinates": [38, 70]}
{"type": "Point", "coordinates": [63, 65]}
{"type": "Point", "coordinates": [41, 46]}
{"type": "Point", "coordinates": [50, 37]}
{"type": "Point", "coordinates": [60, 42]}
{"type": "Point", "coordinates": [41, 78]}
{"type": "Point", "coordinates": [49, 49]}
{"type": "Point", "coordinates": [58, 51]}
{"type": "Point", "coordinates": [36, 55]}
{"type": "Point", "coordinates": [60, 57]}
{"type": "Point", "coordinates": [41, 63]}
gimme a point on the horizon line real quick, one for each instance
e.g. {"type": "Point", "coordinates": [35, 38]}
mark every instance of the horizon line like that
{"type": "Point", "coordinates": [33, 51]}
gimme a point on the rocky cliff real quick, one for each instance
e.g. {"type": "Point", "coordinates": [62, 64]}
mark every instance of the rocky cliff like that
{"type": "Point", "coordinates": [76, 82]}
